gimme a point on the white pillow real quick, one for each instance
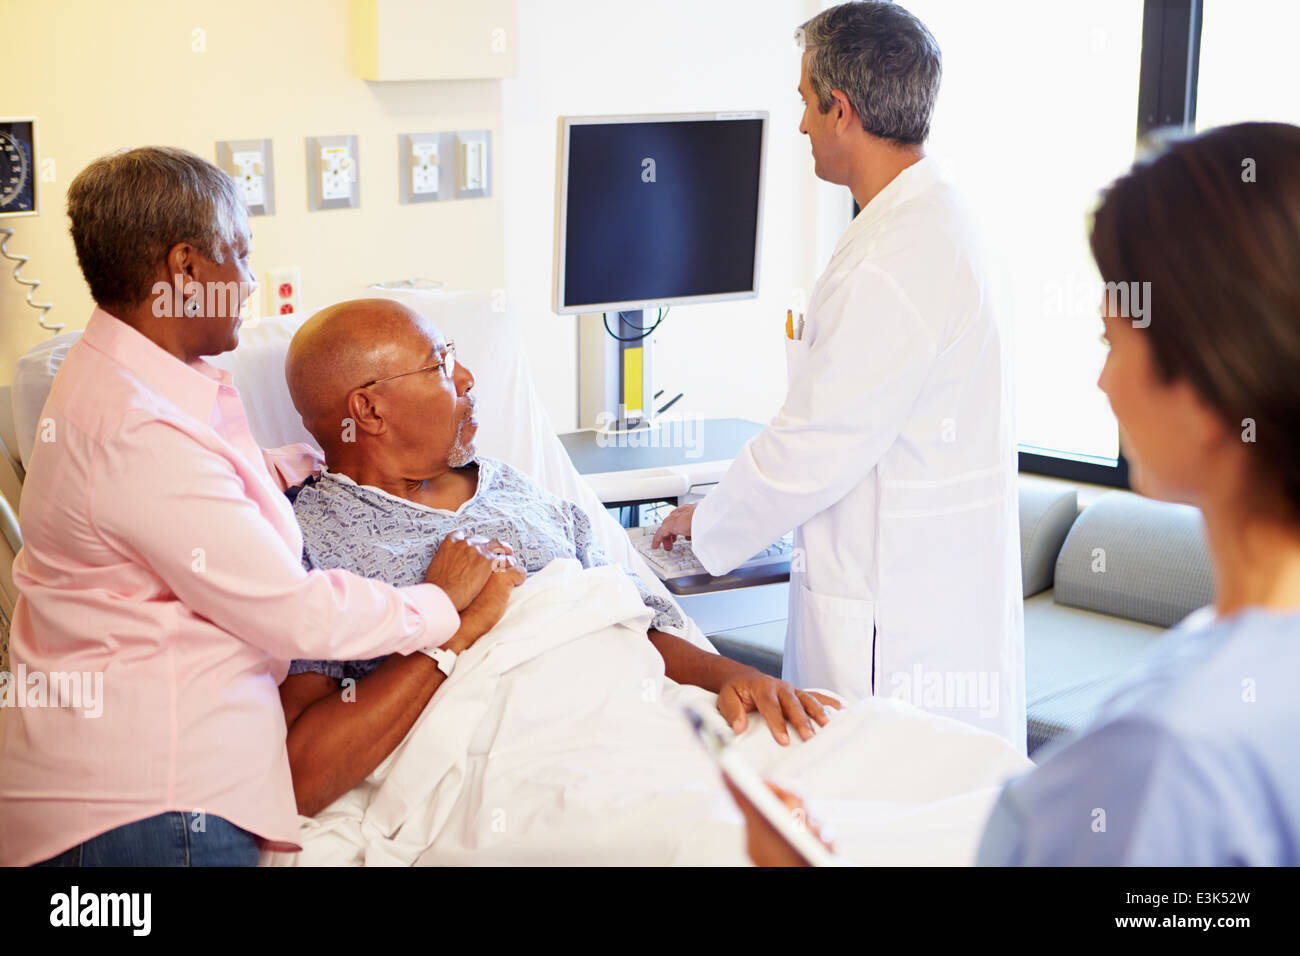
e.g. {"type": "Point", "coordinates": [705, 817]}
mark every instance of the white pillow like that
{"type": "Point", "coordinates": [32, 376]}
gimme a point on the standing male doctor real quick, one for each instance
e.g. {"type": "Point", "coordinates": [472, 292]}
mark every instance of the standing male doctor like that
{"type": "Point", "coordinates": [893, 456]}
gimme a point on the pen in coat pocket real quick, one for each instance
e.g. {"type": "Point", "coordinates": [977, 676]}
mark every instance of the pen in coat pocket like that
{"type": "Point", "coordinates": [793, 331]}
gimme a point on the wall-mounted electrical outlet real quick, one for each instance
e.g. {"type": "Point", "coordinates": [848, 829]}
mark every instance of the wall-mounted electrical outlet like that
{"type": "Point", "coordinates": [284, 291]}
{"type": "Point", "coordinates": [248, 161]}
{"type": "Point", "coordinates": [424, 168]}
{"type": "Point", "coordinates": [333, 172]}
{"type": "Point", "coordinates": [336, 173]}
{"type": "Point", "coordinates": [250, 179]}
{"type": "Point", "coordinates": [423, 174]}
{"type": "Point", "coordinates": [473, 163]}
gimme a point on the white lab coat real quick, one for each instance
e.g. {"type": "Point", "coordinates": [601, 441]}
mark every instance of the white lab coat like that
{"type": "Point", "coordinates": [894, 459]}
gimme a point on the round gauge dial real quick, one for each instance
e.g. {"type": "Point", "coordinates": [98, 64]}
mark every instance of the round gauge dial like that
{"type": "Point", "coordinates": [16, 173]}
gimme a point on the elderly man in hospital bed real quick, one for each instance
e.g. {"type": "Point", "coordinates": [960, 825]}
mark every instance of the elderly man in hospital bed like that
{"type": "Point", "coordinates": [385, 398]}
{"type": "Point", "coordinates": [558, 735]}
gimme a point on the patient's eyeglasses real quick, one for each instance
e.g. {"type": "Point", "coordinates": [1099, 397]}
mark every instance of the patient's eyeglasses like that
{"type": "Point", "coordinates": [448, 362]}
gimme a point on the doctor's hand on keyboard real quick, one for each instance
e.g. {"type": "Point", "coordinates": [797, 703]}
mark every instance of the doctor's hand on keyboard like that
{"type": "Point", "coordinates": [676, 525]}
{"type": "Point", "coordinates": [675, 558]}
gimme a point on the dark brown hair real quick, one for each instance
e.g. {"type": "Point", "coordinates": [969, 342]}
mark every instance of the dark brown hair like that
{"type": "Point", "coordinates": [1213, 223]}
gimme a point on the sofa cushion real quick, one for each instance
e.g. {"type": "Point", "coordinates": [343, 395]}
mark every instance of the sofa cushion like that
{"type": "Point", "coordinates": [1135, 558]}
{"type": "Point", "coordinates": [1046, 514]}
{"type": "Point", "coordinates": [1074, 660]}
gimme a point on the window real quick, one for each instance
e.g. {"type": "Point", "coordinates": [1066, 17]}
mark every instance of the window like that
{"type": "Point", "coordinates": [1035, 116]}
{"type": "Point", "coordinates": [1249, 69]}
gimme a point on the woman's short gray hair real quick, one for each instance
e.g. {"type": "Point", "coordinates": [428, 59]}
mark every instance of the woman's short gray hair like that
{"type": "Point", "coordinates": [883, 59]}
{"type": "Point", "coordinates": [129, 208]}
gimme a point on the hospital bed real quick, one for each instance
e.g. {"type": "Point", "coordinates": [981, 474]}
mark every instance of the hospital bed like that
{"type": "Point", "coordinates": [646, 794]}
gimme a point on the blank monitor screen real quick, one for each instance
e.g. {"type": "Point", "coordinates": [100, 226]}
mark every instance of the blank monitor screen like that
{"type": "Point", "coordinates": [657, 210]}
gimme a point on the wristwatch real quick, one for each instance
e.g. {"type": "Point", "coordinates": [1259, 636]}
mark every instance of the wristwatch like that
{"type": "Point", "coordinates": [444, 658]}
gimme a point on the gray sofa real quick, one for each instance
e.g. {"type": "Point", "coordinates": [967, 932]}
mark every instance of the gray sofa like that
{"type": "Point", "coordinates": [1100, 584]}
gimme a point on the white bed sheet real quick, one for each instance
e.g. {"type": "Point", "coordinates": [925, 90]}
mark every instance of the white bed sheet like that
{"type": "Point", "coordinates": [558, 740]}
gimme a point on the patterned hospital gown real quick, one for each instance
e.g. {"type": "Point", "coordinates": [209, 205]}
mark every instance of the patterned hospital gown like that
{"type": "Point", "coordinates": [367, 531]}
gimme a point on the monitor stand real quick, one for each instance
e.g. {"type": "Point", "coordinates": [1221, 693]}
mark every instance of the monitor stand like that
{"type": "Point", "coordinates": [616, 375]}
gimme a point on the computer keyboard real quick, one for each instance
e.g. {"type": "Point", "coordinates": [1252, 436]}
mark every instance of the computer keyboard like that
{"type": "Point", "coordinates": [681, 562]}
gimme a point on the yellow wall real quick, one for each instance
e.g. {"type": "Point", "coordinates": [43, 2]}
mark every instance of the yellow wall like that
{"type": "Point", "coordinates": [101, 76]}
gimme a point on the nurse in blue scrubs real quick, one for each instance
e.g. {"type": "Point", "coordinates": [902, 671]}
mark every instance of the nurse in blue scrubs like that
{"type": "Point", "coordinates": [1194, 761]}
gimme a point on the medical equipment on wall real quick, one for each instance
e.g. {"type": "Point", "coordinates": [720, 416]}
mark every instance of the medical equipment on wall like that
{"type": "Point", "coordinates": [20, 196]}
{"type": "Point", "coordinates": [651, 211]}
{"type": "Point", "coordinates": [18, 188]}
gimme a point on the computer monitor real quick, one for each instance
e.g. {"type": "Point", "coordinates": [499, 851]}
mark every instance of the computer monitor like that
{"type": "Point", "coordinates": [650, 211]}
{"type": "Point", "coordinates": [657, 210]}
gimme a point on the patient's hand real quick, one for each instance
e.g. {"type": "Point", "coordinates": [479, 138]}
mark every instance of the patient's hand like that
{"type": "Point", "coordinates": [486, 609]}
{"type": "Point", "coordinates": [463, 566]}
{"type": "Point", "coordinates": [776, 700]}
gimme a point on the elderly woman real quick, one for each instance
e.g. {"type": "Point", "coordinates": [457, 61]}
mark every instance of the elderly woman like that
{"type": "Point", "coordinates": [1192, 761]}
{"type": "Point", "coordinates": [162, 562]}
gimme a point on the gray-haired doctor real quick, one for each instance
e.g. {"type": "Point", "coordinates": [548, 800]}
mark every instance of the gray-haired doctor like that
{"type": "Point", "coordinates": [893, 455]}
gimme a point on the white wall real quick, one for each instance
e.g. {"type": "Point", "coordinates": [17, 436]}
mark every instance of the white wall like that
{"type": "Point", "coordinates": [575, 57]}
{"type": "Point", "coordinates": [102, 76]}
{"type": "Point", "coordinates": [580, 57]}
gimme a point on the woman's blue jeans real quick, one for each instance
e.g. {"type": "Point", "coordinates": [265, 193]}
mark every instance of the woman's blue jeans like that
{"type": "Point", "coordinates": [169, 839]}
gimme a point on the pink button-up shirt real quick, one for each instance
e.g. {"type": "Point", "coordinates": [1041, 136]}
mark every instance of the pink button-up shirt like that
{"type": "Point", "coordinates": [161, 554]}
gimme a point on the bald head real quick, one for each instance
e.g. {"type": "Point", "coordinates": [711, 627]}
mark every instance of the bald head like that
{"type": "Point", "coordinates": [345, 346]}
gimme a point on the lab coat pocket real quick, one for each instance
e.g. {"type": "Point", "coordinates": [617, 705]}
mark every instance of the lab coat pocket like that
{"type": "Point", "coordinates": [832, 643]}
{"type": "Point", "coordinates": [795, 350]}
